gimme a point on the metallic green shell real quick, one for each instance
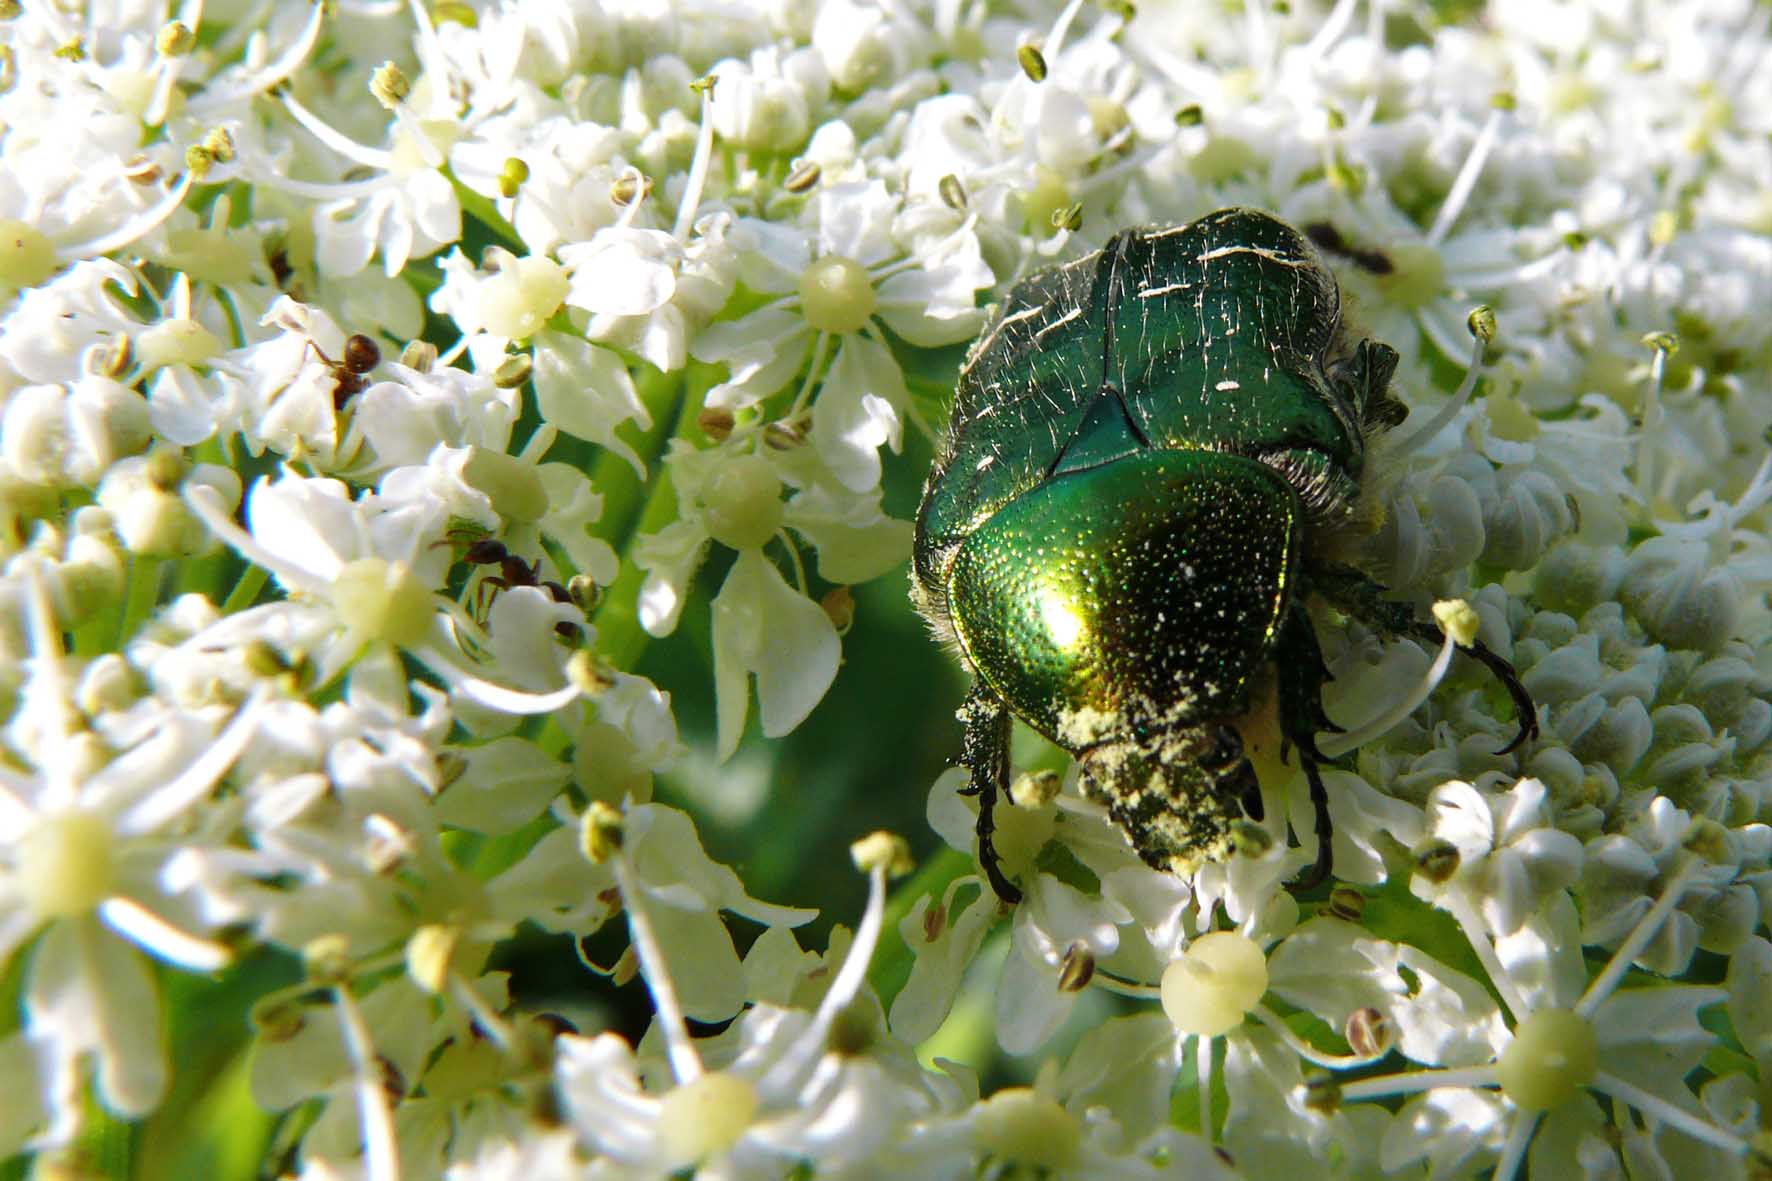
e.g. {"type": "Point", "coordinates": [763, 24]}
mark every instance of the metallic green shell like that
{"type": "Point", "coordinates": [1215, 333]}
{"type": "Point", "coordinates": [1138, 594]}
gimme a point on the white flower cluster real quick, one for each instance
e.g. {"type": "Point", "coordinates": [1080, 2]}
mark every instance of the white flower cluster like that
{"type": "Point", "coordinates": [375, 379]}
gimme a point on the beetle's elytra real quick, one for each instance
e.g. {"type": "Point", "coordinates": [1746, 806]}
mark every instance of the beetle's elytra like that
{"type": "Point", "coordinates": [1149, 451]}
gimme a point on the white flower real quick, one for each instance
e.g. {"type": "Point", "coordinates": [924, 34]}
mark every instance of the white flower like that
{"type": "Point", "coordinates": [359, 575]}
{"type": "Point", "coordinates": [766, 103]}
{"type": "Point", "coordinates": [1510, 860]}
{"type": "Point", "coordinates": [837, 278]}
{"type": "Point", "coordinates": [86, 832]}
{"type": "Point", "coordinates": [785, 1092]}
{"type": "Point", "coordinates": [762, 626]}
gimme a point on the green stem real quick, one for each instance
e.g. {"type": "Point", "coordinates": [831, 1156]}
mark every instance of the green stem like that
{"type": "Point", "coordinates": [482, 210]}
{"type": "Point", "coordinates": [632, 508]}
{"type": "Point", "coordinates": [245, 592]}
{"type": "Point", "coordinates": [142, 596]}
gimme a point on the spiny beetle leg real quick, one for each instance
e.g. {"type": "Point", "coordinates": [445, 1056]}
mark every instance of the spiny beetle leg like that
{"type": "Point", "coordinates": [1302, 676]}
{"type": "Point", "coordinates": [1525, 712]}
{"type": "Point", "coordinates": [1319, 870]}
{"type": "Point", "coordinates": [985, 753]}
{"type": "Point", "coordinates": [1358, 595]}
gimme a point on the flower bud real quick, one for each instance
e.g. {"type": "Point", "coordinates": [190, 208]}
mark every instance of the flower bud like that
{"type": "Point", "coordinates": [1454, 515]}
{"type": "Point", "coordinates": [1567, 674]}
{"type": "Point", "coordinates": [1529, 513]}
{"type": "Point", "coordinates": [1726, 919]}
{"type": "Point", "coordinates": [1618, 738]}
{"type": "Point", "coordinates": [1679, 597]}
{"type": "Point", "coordinates": [107, 685]}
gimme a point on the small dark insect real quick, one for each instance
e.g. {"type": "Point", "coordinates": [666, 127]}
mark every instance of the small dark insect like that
{"type": "Point", "coordinates": [281, 271]}
{"type": "Point", "coordinates": [1152, 454]}
{"type": "Point", "coordinates": [350, 374]}
{"type": "Point", "coordinates": [514, 572]}
{"type": "Point", "coordinates": [1329, 238]}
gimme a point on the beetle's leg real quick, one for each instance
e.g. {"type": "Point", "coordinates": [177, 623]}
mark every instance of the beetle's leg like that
{"type": "Point", "coordinates": [985, 752]}
{"type": "Point", "coordinates": [1231, 771]}
{"type": "Point", "coordinates": [1252, 805]}
{"type": "Point", "coordinates": [1302, 675]}
{"type": "Point", "coordinates": [1502, 669]}
{"type": "Point", "coordinates": [1319, 870]}
{"type": "Point", "coordinates": [1358, 595]}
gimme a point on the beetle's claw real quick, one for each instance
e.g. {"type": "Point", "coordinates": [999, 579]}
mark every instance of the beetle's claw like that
{"type": "Point", "coordinates": [1524, 710]}
{"type": "Point", "coordinates": [1502, 670]}
{"type": "Point", "coordinates": [987, 847]}
{"type": "Point", "coordinates": [993, 872]}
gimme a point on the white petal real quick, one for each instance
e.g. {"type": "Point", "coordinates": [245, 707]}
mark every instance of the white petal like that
{"type": "Point", "coordinates": [152, 933]}
{"type": "Point", "coordinates": [1459, 813]}
{"type": "Point", "coordinates": [587, 392]}
{"type": "Point", "coordinates": [763, 625]}
{"type": "Point", "coordinates": [89, 992]}
{"type": "Point", "coordinates": [857, 412]}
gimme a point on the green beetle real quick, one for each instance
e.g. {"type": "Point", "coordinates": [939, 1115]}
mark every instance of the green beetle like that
{"type": "Point", "coordinates": [1152, 452]}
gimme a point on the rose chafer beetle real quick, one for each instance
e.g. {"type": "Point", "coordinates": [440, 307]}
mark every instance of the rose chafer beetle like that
{"type": "Point", "coordinates": [1153, 454]}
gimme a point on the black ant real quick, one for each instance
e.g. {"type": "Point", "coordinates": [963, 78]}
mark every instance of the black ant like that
{"type": "Point", "coordinates": [1329, 238]}
{"type": "Point", "coordinates": [514, 572]}
{"type": "Point", "coordinates": [350, 373]}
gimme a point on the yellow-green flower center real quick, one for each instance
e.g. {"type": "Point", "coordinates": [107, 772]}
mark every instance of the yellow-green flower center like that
{"type": "Point", "coordinates": [1554, 1055]}
{"type": "Point", "coordinates": [67, 864]}
{"type": "Point", "coordinates": [743, 502]}
{"type": "Point", "coordinates": [705, 1117]}
{"type": "Point", "coordinates": [381, 600]}
{"type": "Point", "coordinates": [836, 294]}
{"type": "Point", "coordinates": [27, 257]}
{"type": "Point", "coordinates": [1417, 275]}
{"type": "Point", "coordinates": [1021, 1126]}
{"type": "Point", "coordinates": [513, 486]}
{"type": "Point", "coordinates": [1212, 987]}
{"type": "Point", "coordinates": [178, 341]}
